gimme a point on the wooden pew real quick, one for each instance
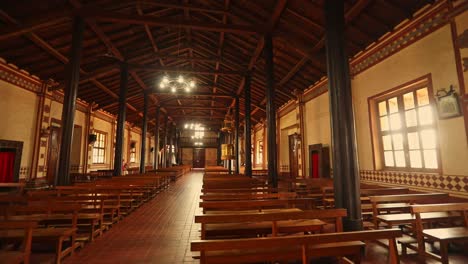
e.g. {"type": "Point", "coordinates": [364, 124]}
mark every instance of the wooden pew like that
{"type": "Point", "coordinates": [252, 224]}
{"type": "Point", "coordinates": [256, 204]}
{"type": "Point", "coordinates": [444, 235]}
{"type": "Point", "coordinates": [12, 187]}
{"type": "Point", "coordinates": [248, 250]}
{"type": "Point", "coordinates": [399, 202]}
{"type": "Point", "coordinates": [16, 256]}
{"type": "Point", "coordinates": [246, 196]}
{"type": "Point", "coordinates": [261, 189]}
{"type": "Point", "coordinates": [47, 216]}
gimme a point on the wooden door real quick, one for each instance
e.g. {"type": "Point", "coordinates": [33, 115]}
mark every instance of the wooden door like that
{"type": "Point", "coordinates": [294, 149]}
{"type": "Point", "coordinates": [52, 156]}
{"type": "Point", "coordinates": [199, 158]}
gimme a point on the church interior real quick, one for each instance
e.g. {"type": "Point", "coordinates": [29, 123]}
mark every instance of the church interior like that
{"type": "Point", "coordinates": [234, 131]}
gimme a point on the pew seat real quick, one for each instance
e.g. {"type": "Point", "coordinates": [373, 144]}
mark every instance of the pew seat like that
{"type": "Point", "coordinates": [298, 247]}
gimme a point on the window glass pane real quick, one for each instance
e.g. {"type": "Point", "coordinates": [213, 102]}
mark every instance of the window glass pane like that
{"type": "Point", "coordinates": [425, 115]}
{"type": "Point", "coordinates": [430, 159]}
{"type": "Point", "coordinates": [400, 158]}
{"type": "Point", "coordinates": [383, 108]}
{"type": "Point", "coordinates": [393, 105]}
{"type": "Point", "coordinates": [413, 140]}
{"type": "Point", "coordinates": [389, 158]}
{"type": "Point", "coordinates": [411, 120]}
{"type": "Point", "coordinates": [387, 142]}
{"type": "Point", "coordinates": [428, 138]}
{"type": "Point", "coordinates": [423, 96]}
{"type": "Point", "coordinates": [384, 123]}
{"type": "Point", "coordinates": [408, 100]}
{"type": "Point", "coordinates": [395, 121]}
{"type": "Point", "coordinates": [397, 141]}
{"type": "Point", "coordinates": [415, 159]}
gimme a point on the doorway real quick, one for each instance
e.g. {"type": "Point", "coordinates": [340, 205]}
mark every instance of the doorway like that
{"type": "Point", "coordinates": [294, 155]}
{"type": "Point", "coordinates": [199, 158]}
{"type": "Point", "coordinates": [52, 156]}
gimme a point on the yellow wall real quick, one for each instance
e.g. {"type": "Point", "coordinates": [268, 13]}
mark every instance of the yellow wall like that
{"type": "Point", "coordinates": [288, 125]}
{"type": "Point", "coordinates": [106, 127]}
{"type": "Point", "coordinates": [18, 108]}
{"type": "Point", "coordinates": [317, 124]}
{"type": "Point", "coordinates": [433, 54]}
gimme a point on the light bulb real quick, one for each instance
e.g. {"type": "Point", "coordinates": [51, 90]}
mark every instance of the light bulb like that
{"type": "Point", "coordinates": [165, 79]}
{"type": "Point", "coordinates": [173, 89]}
{"type": "Point", "coordinates": [186, 125]}
{"type": "Point", "coordinates": [162, 85]}
{"type": "Point", "coordinates": [192, 84]}
{"type": "Point", "coordinates": [187, 89]}
{"type": "Point", "coordinates": [181, 79]}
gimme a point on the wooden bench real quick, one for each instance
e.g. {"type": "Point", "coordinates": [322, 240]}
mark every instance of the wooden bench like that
{"type": "Point", "coordinates": [246, 196]}
{"type": "Point", "coordinates": [444, 235]}
{"type": "Point", "coordinates": [300, 247]}
{"type": "Point", "coordinates": [307, 203]}
{"type": "Point", "coordinates": [252, 224]}
{"type": "Point", "coordinates": [62, 217]}
{"type": "Point", "coordinates": [12, 187]}
{"type": "Point", "coordinates": [24, 227]}
{"type": "Point", "coordinates": [378, 202]}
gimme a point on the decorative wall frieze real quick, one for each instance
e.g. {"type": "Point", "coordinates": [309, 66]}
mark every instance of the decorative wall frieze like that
{"type": "Point", "coordinates": [453, 184]}
{"type": "Point", "coordinates": [12, 74]}
{"type": "Point", "coordinates": [408, 33]}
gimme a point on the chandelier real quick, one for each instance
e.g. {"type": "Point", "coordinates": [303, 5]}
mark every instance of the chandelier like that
{"type": "Point", "coordinates": [198, 129]}
{"type": "Point", "coordinates": [175, 84]}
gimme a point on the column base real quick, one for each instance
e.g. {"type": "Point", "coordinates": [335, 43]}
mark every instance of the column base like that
{"type": "Point", "coordinates": [352, 224]}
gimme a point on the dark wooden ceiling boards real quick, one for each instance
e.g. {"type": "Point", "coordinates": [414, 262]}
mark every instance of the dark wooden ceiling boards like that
{"type": "Point", "coordinates": [217, 42]}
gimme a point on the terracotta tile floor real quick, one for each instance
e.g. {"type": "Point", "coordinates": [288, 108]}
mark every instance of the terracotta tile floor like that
{"type": "Point", "coordinates": [161, 230]}
{"type": "Point", "coordinates": [158, 232]}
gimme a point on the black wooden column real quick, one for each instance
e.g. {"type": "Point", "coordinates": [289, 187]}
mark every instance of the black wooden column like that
{"type": "Point", "coordinates": [69, 103]}
{"type": "Point", "coordinates": [270, 111]}
{"type": "Point", "coordinates": [143, 133]}
{"type": "Point", "coordinates": [166, 132]}
{"type": "Point", "coordinates": [119, 139]}
{"type": "Point", "coordinates": [176, 146]}
{"type": "Point", "coordinates": [345, 160]}
{"type": "Point", "coordinates": [236, 139]}
{"type": "Point", "coordinates": [247, 129]}
{"type": "Point", "coordinates": [156, 140]}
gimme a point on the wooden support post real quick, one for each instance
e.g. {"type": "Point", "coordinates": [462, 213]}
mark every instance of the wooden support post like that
{"type": "Point", "coordinates": [247, 129]}
{"type": "Point", "coordinates": [270, 111]}
{"type": "Point", "coordinates": [236, 139]}
{"type": "Point", "coordinates": [143, 133]}
{"type": "Point", "coordinates": [345, 165]}
{"type": "Point", "coordinates": [119, 139]}
{"type": "Point", "coordinates": [156, 140]}
{"type": "Point", "coordinates": [302, 131]}
{"type": "Point", "coordinates": [69, 102]}
{"type": "Point", "coordinates": [166, 131]}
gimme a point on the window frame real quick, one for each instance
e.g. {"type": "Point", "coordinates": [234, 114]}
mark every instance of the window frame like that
{"type": "Point", "coordinates": [375, 126]}
{"type": "Point", "coordinates": [104, 134]}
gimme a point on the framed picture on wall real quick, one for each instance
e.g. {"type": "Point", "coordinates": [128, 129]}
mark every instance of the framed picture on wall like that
{"type": "Point", "coordinates": [447, 103]}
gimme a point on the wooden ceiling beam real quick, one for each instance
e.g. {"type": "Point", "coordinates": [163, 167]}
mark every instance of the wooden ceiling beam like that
{"type": "Point", "coordinates": [195, 94]}
{"type": "Point", "coordinates": [46, 20]}
{"type": "Point", "coordinates": [150, 35]}
{"type": "Point", "coordinates": [190, 7]}
{"type": "Point", "coordinates": [143, 67]}
{"type": "Point", "coordinates": [195, 107]}
{"type": "Point", "coordinates": [114, 17]}
{"type": "Point", "coordinates": [56, 54]}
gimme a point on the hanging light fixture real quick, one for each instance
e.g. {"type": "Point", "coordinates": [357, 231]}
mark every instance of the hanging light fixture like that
{"type": "Point", "coordinates": [175, 84]}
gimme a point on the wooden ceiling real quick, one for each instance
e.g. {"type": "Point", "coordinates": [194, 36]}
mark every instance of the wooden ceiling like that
{"type": "Point", "coordinates": [216, 42]}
